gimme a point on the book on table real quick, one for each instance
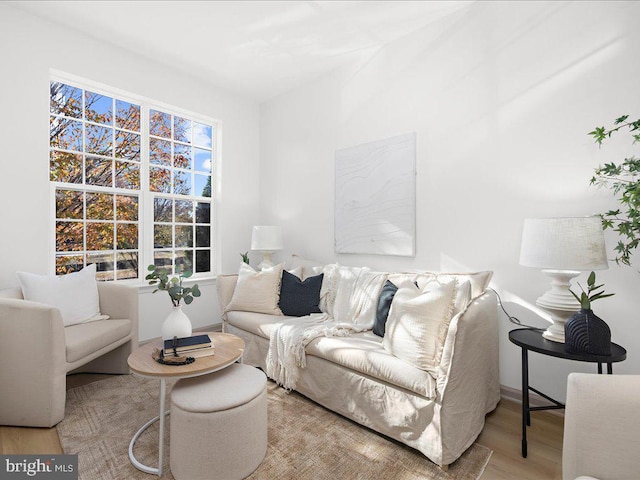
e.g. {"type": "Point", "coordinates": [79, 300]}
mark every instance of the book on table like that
{"type": "Point", "coordinates": [187, 343]}
{"type": "Point", "coordinates": [201, 352]}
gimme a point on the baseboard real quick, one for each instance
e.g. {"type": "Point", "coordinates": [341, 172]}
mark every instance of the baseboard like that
{"type": "Point", "coordinates": [535, 400]}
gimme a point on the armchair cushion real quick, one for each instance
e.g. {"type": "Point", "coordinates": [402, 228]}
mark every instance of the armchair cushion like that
{"type": "Point", "coordinates": [84, 339]}
{"type": "Point", "coordinates": [74, 294]}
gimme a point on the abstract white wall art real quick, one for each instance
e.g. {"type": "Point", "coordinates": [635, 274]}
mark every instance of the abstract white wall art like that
{"type": "Point", "coordinates": [375, 197]}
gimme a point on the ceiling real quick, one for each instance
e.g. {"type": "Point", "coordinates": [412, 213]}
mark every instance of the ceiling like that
{"type": "Point", "coordinates": [259, 49]}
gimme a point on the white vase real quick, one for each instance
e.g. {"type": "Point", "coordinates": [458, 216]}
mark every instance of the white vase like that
{"type": "Point", "coordinates": [177, 324]}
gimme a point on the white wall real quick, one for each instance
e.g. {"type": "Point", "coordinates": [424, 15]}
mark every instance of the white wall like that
{"type": "Point", "coordinates": [501, 96]}
{"type": "Point", "coordinates": [29, 47]}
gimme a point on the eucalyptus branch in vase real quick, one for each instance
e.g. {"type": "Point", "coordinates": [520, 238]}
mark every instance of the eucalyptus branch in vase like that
{"type": "Point", "coordinates": [173, 285]}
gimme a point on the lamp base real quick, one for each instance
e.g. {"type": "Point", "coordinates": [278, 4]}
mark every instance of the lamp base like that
{"type": "Point", "coordinates": [555, 332]}
{"type": "Point", "coordinates": [266, 261]}
{"type": "Point", "coordinates": [559, 303]}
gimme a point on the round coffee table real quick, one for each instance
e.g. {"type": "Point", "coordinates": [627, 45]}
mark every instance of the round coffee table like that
{"type": "Point", "coordinates": [228, 349]}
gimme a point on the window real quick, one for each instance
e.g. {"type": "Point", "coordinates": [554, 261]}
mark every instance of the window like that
{"type": "Point", "coordinates": [110, 156]}
{"type": "Point", "coordinates": [180, 161]}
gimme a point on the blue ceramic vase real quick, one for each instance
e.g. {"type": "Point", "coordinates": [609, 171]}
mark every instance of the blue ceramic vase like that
{"type": "Point", "coordinates": [587, 334]}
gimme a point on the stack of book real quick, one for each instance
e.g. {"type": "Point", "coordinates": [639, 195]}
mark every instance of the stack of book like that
{"type": "Point", "coordinates": [194, 346]}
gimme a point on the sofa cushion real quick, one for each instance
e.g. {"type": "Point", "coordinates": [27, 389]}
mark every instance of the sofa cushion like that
{"type": "Point", "coordinates": [257, 323]}
{"type": "Point", "coordinates": [74, 294]}
{"type": "Point", "coordinates": [297, 297]}
{"type": "Point", "coordinates": [479, 280]}
{"type": "Point", "coordinates": [478, 284]}
{"type": "Point", "coordinates": [363, 352]}
{"type": "Point", "coordinates": [384, 304]}
{"type": "Point", "coordinates": [418, 323]}
{"type": "Point", "coordinates": [86, 338]}
{"type": "Point", "coordinates": [308, 268]}
{"type": "Point", "coordinates": [350, 294]}
{"type": "Point", "coordinates": [257, 291]}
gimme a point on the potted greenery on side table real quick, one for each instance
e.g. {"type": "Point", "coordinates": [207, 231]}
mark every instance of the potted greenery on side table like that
{"type": "Point", "coordinates": [177, 324]}
{"type": "Point", "coordinates": [586, 333]}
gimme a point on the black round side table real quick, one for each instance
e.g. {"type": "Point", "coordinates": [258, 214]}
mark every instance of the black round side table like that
{"type": "Point", "coordinates": [528, 339]}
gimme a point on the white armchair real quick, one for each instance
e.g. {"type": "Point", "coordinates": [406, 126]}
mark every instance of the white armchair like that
{"type": "Point", "coordinates": [38, 351]}
{"type": "Point", "coordinates": [601, 425]}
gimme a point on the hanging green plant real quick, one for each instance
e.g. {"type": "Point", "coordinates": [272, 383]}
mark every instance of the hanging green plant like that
{"type": "Point", "coordinates": [623, 179]}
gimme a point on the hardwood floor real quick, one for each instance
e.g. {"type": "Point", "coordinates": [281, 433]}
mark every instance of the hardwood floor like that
{"type": "Point", "coordinates": [501, 434]}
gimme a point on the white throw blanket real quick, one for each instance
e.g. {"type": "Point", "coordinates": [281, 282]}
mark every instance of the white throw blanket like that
{"type": "Point", "coordinates": [348, 294]}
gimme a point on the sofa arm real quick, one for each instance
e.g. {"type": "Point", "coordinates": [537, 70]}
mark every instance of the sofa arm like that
{"type": "Point", "coordinates": [225, 285]}
{"type": "Point", "coordinates": [601, 426]}
{"type": "Point", "coordinates": [120, 301]}
{"type": "Point", "coordinates": [33, 374]}
{"type": "Point", "coordinates": [468, 379]}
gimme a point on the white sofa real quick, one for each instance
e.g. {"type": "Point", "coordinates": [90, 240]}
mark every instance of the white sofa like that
{"type": "Point", "coordinates": [439, 413]}
{"type": "Point", "coordinates": [38, 351]}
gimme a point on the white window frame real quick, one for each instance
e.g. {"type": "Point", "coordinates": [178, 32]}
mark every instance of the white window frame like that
{"type": "Point", "coordinates": [145, 196]}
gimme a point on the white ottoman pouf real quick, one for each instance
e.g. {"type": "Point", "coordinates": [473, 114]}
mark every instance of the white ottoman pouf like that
{"type": "Point", "coordinates": [219, 424]}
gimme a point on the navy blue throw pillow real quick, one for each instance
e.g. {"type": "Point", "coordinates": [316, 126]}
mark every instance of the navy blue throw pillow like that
{"type": "Point", "coordinates": [298, 298]}
{"type": "Point", "coordinates": [384, 304]}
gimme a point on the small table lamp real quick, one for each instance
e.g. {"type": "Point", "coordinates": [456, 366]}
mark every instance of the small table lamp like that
{"type": "Point", "coordinates": [266, 239]}
{"type": "Point", "coordinates": [562, 247]}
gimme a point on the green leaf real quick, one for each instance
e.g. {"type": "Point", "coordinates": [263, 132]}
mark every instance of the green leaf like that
{"type": "Point", "coordinates": [186, 274]}
{"type": "Point", "coordinates": [602, 295]}
{"type": "Point", "coordinates": [575, 296]}
{"type": "Point", "coordinates": [151, 268]}
{"type": "Point", "coordinates": [592, 279]}
{"type": "Point", "coordinates": [188, 299]}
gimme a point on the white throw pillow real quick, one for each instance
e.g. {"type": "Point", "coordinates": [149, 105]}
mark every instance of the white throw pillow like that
{"type": "Point", "coordinates": [74, 294]}
{"type": "Point", "coordinates": [462, 297]}
{"type": "Point", "coordinates": [310, 268]}
{"type": "Point", "coordinates": [296, 271]}
{"type": "Point", "coordinates": [257, 291]}
{"type": "Point", "coordinates": [418, 323]}
{"type": "Point", "coordinates": [479, 281]}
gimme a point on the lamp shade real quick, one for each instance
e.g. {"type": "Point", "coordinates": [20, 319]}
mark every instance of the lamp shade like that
{"type": "Point", "coordinates": [575, 243]}
{"type": "Point", "coordinates": [266, 238]}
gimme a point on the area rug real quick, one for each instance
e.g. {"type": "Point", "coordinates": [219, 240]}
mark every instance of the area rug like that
{"type": "Point", "coordinates": [306, 441]}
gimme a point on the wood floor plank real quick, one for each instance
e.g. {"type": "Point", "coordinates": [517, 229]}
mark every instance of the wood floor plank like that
{"type": "Point", "coordinates": [502, 434]}
{"type": "Point", "coordinates": [29, 441]}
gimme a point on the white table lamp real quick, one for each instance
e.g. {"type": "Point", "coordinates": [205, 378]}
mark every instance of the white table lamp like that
{"type": "Point", "coordinates": [562, 248]}
{"type": "Point", "coordinates": [266, 239]}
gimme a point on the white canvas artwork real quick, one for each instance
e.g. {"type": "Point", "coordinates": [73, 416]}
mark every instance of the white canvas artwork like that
{"type": "Point", "coordinates": [375, 197]}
